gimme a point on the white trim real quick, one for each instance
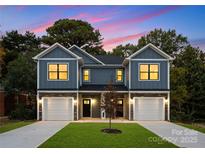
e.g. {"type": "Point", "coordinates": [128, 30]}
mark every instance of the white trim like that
{"type": "Point", "coordinates": [108, 65]}
{"type": "Point", "coordinates": [80, 74]}
{"type": "Point", "coordinates": [168, 106]}
{"type": "Point", "coordinates": [152, 92]}
{"type": "Point", "coordinates": [77, 103]}
{"type": "Point", "coordinates": [129, 104]}
{"type": "Point", "coordinates": [58, 58]}
{"type": "Point", "coordinates": [155, 49]}
{"type": "Point", "coordinates": [76, 74]}
{"type": "Point", "coordinates": [168, 75]}
{"type": "Point", "coordinates": [148, 72]}
{"type": "Point", "coordinates": [129, 74]}
{"type": "Point", "coordinates": [37, 97]}
{"type": "Point", "coordinates": [117, 75]}
{"type": "Point", "coordinates": [85, 91]}
{"type": "Point", "coordinates": [87, 53]}
{"type": "Point", "coordinates": [68, 73]}
{"type": "Point", "coordinates": [54, 91]}
{"type": "Point", "coordinates": [89, 76]}
{"type": "Point", "coordinates": [149, 59]}
{"type": "Point", "coordinates": [53, 47]}
{"type": "Point", "coordinates": [141, 98]}
{"type": "Point", "coordinates": [38, 75]}
{"type": "Point", "coordinates": [49, 98]}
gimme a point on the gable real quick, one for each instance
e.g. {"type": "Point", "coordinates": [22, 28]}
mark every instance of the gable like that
{"type": "Point", "coordinates": [87, 58]}
{"type": "Point", "coordinates": [58, 53]}
{"type": "Point", "coordinates": [148, 53]}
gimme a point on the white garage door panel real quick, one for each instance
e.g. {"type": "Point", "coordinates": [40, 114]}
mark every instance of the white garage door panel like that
{"type": "Point", "coordinates": [149, 109]}
{"type": "Point", "coordinates": [58, 109]}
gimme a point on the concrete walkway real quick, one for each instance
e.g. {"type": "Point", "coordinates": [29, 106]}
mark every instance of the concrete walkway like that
{"type": "Point", "coordinates": [31, 136]}
{"type": "Point", "coordinates": [98, 120]}
{"type": "Point", "coordinates": [176, 134]}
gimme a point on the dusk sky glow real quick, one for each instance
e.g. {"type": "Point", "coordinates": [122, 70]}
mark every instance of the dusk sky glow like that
{"type": "Point", "coordinates": [117, 24]}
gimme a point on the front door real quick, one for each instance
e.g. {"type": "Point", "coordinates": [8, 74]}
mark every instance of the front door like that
{"type": "Point", "coordinates": [86, 107]}
{"type": "Point", "coordinates": [119, 109]}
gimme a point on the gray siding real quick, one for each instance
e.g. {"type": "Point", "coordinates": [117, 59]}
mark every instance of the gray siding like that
{"type": "Point", "coordinates": [102, 76]}
{"type": "Point", "coordinates": [43, 75]}
{"type": "Point", "coordinates": [149, 85]}
{"type": "Point", "coordinates": [148, 53]}
{"type": "Point", "coordinates": [58, 53]}
{"type": "Point", "coordinates": [87, 59]}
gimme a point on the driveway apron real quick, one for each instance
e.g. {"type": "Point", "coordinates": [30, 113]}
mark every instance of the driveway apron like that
{"type": "Point", "coordinates": [31, 136]}
{"type": "Point", "coordinates": [178, 135]}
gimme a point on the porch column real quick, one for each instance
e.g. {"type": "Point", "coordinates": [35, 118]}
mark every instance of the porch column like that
{"type": "Point", "coordinates": [37, 98]}
{"type": "Point", "coordinates": [129, 106]}
{"type": "Point", "coordinates": [168, 105]}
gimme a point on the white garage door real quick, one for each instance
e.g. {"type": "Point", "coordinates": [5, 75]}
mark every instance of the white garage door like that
{"type": "Point", "coordinates": [149, 108]}
{"type": "Point", "coordinates": [57, 108]}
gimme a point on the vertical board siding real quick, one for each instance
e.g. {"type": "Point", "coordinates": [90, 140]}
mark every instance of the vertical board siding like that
{"type": "Point", "coordinates": [148, 53]}
{"type": "Point", "coordinates": [102, 76]}
{"type": "Point", "coordinates": [152, 85]}
{"type": "Point", "coordinates": [68, 84]}
{"type": "Point", "coordinates": [58, 53]}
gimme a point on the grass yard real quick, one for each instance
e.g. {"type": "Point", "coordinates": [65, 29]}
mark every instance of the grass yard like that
{"type": "Point", "coordinates": [197, 127]}
{"type": "Point", "coordinates": [10, 125]}
{"type": "Point", "coordinates": [89, 135]}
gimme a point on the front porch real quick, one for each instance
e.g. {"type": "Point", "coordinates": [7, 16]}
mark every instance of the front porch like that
{"type": "Point", "coordinates": [89, 107]}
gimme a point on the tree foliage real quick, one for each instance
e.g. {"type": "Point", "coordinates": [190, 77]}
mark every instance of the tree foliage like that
{"type": "Point", "coordinates": [168, 41]}
{"type": "Point", "coordinates": [109, 102]}
{"type": "Point", "coordinates": [124, 51]}
{"type": "Point", "coordinates": [69, 32]}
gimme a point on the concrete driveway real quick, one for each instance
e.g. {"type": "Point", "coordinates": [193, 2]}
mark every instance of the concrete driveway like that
{"type": "Point", "coordinates": [176, 134]}
{"type": "Point", "coordinates": [31, 136]}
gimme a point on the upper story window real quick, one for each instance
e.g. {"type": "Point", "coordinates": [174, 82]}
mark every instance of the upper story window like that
{"type": "Point", "coordinates": [119, 75]}
{"type": "Point", "coordinates": [86, 75]}
{"type": "Point", "coordinates": [57, 71]}
{"type": "Point", "coordinates": [149, 72]}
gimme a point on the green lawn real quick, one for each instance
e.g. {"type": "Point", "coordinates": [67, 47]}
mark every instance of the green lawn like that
{"type": "Point", "coordinates": [89, 135]}
{"type": "Point", "coordinates": [196, 127]}
{"type": "Point", "coordinates": [9, 125]}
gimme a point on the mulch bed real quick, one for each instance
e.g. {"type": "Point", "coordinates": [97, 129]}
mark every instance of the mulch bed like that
{"type": "Point", "coordinates": [111, 131]}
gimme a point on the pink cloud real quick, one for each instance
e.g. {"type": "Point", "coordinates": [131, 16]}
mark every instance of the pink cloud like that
{"type": "Point", "coordinates": [140, 19]}
{"type": "Point", "coordinates": [42, 27]}
{"type": "Point", "coordinates": [122, 39]}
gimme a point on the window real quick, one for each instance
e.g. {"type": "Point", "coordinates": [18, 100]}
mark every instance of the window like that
{"type": "Point", "coordinates": [119, 75]}
{"type": "Point", "coordinates": [149, 72]}
{"type": "Point", "coordinates": [57, 71]}
{"type": "Point", "coordinates": [86, 75]}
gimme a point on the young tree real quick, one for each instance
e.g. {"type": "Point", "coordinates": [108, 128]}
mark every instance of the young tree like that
{"type": "Point", "coordinates": [69, 31]}
{"type": "Point", "coordinates": [109, 102]}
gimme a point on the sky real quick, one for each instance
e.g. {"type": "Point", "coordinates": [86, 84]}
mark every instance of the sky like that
{"type": "Point", "coordinates": [117, 24]}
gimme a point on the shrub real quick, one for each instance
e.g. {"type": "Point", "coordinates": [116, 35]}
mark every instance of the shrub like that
{"type": "Point", "coordinates": [23, 112]}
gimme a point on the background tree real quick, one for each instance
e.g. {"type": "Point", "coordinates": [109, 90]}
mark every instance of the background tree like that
{"type": "Point", "coordinates": [69, 31]}
{"type": "Point", "coordinates": [168, 41]}
{"type": "Point", "coordinates": [193, 61]}
{"type": "Point", "coordinates": [109, 102]}
{"type": "Point", "coordinates": [14, 44]}
{"type": "Point", "coordinates": [124, 51]}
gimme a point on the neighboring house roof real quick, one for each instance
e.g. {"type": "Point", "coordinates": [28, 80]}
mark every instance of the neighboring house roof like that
{"type": "Point", "coordinates": [109, 59]}
{"type": "Point", "coordinates": [91, 56]}
{"type": "Point", "coordinates": [53, 47]}
{"type": "Point", "coordinates": [162, 53]}
{"type": "Point", "coordinates": [102, 87]}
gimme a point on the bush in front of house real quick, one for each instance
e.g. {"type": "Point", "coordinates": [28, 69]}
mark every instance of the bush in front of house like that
{"type": "Point", "coordinates": [23, 112]}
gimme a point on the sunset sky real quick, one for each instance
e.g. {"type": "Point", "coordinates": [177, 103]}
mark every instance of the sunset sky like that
{"type": "Point", "coordinates": [117, 24]}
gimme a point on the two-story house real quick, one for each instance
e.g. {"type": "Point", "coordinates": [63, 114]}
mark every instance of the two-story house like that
{"type": "Point", "coordinates": [71, 83]}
